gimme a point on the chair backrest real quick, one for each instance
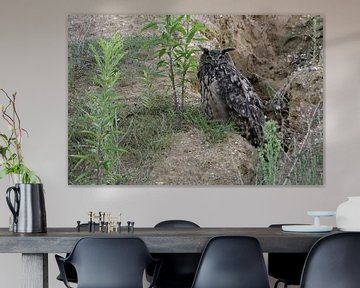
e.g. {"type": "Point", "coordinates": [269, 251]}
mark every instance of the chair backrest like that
{"type": "Point", "coordinates": [178, 269]}
{"type": "Point", "coordinates": [333, 262]}
{"type": "Point", "coordinates": [176, 224]}
{"type": "Point", "coordinates": [232, 262]}
{"type": "Point", "coordinates": [110, 262]}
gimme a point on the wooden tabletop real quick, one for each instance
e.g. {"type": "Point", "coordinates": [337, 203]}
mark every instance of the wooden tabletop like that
{"type": "Point", "coordinates": [158, 240]}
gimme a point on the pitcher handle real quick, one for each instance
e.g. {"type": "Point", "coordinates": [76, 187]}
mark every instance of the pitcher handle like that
{"type": "Point", "coordinates": [13, 208]}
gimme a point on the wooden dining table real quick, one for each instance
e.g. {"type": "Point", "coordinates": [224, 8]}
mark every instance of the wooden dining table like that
{"type": "Point", "coordinates": [35, 247]}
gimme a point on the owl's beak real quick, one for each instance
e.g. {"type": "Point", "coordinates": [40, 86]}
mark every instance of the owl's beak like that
{"type": "Point", "coordinates": [205, 50]}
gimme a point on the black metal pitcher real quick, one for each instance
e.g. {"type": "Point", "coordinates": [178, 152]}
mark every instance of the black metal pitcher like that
{"type": "Point", "coordinates": [28, 208]}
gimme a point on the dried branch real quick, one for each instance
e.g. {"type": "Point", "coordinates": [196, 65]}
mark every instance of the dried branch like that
{"type": "Point", "coordinates": [14, 124]}
{"type": "Point", "coordinates": [303, 144]}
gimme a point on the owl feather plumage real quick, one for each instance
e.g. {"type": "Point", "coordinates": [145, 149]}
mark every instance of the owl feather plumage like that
{"type": "Point", "coordinates": [227, 94]}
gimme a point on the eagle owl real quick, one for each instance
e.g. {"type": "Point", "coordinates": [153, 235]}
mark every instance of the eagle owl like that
{"type": "Point", "coordinates": [227, 94]}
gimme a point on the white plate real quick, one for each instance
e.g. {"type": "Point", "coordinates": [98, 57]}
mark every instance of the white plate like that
{"type": "Point", "coordinates": [321, 213]}
{"type": "Point", "coordinates": [306, 228]}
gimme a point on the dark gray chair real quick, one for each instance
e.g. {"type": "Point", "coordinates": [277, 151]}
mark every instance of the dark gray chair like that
{"type": "Point", "coordinates": [286, 267]}
{"type": "Point", "coordinates": [69, 269]}
{"type": "Point", "coordinates": [108, 263]}
{"type": "Point", "coordinates": [232, 262]}
{"type": "Point", "coordinates": [178, 269]}
{"type": "Point", "coordinates": [333, 262]}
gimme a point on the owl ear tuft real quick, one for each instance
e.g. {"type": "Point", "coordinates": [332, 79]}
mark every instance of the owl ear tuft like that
{"type": "Point", "coordinates": [223, 51]}
{"type": "Point", "coordinates": [205, 50]}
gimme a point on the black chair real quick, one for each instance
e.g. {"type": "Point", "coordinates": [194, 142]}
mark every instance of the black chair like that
{"type": "Point", "coordinates": [333, 262]}
{"type": "Point", "coordinates": [232, 262]}
{"type": "Point", "coordinates": [69, 269]}
{"type": "Point", "coordinates": [178, 269]}
{"type": "Point", "coordinates": [108, 263]}
{"type": "Point", "coordinates": [286, 267]}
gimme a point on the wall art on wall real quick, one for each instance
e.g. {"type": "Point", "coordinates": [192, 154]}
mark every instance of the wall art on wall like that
{"type": "Point", "coordinates": [195, 100]}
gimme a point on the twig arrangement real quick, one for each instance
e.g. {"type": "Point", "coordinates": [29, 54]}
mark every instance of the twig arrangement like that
{"type": "Point", "coordinates": [12, 161]}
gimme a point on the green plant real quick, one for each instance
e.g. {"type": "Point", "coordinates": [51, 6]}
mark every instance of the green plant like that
{"type": "Point", "coordinates": [96, 139]}
{"type": "Point", "coordinates": [12, 161]}
{"type": "Point", "coordinates": [108, 54]}
{"type": "Point", "coordinates": [176, 51]}
{"type": "Point", "coordinates": [149, 91]}
{"type": "Point", "coordinates": [141, 125]}
{"type": "Point", "coordinates": [269, 155]}
{"type": "Point", "coordinates": [153, 101]}
{"type": "Point", "coordinates": [315, 35]}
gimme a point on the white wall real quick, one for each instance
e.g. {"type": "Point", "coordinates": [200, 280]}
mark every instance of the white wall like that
{"type": "Point", "coordinates": [33, 62]}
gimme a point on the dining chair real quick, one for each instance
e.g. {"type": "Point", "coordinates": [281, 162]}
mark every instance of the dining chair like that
{"type": "Point", "coordinates": [285, 267]}
{"type": "Point", "coordinates": [232, 262]}
{"type": "Point", "coordinates": [333, 262]}
{"type": "Point", "coordinates": [178, 269]}
{"type": "Point", "coordinates": [108, 263]}
{"type": "Point", "coordinates": [69, 269]}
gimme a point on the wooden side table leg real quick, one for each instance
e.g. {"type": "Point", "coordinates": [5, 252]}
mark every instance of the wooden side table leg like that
{"type": "Point", "coordinates": [35, 270]}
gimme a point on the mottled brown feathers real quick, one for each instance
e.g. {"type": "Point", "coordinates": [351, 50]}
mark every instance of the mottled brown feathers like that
{"type": "Point", "coordinates": [226, 93]}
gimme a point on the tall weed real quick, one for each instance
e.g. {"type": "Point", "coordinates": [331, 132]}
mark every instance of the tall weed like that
{"type": "Point", "coordinates": [176, 52]}
{"type": "Point", "coordinates": [98, 132]}
{"type": "Point", "coordinates": [269, 154]}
